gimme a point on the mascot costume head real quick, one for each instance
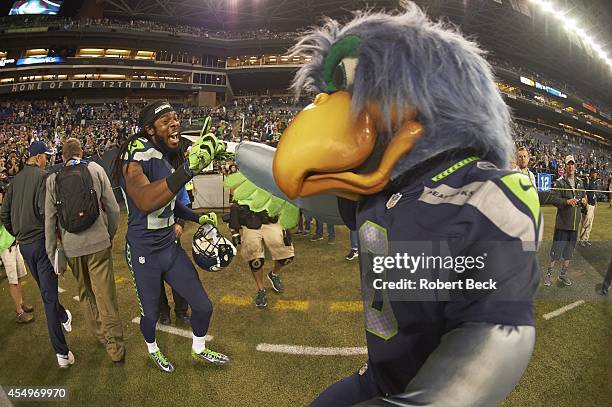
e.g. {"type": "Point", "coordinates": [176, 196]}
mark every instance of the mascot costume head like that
{"type": "Point", "coordinates": [391, 92]}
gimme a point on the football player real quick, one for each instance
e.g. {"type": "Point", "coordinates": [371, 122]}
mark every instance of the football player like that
{"type": "Point", "coordinates": [145, 170]}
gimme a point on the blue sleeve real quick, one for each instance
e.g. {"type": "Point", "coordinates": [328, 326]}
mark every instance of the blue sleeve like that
{"type": "Point", "coordinates": [183, 212]}
{"type": "Point", "coordinates": [183, 197]}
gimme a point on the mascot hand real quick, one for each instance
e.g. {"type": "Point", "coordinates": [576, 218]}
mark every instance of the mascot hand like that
{"type": "Point", "coordinates": [222, 153]}
{"type": "Point", "coordinates": [210, 218]}
{"type": "Point", "coordinates": [203, 152]}
{"type": "Point", "coordinates": [259, 200]}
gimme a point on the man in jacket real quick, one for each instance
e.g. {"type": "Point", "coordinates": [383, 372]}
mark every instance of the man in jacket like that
{"type": "Point", "coordinates": [567, 196]}
{"type": "Point", "coordinates": [23, 211]}
{"type": "Point", "coordinates": [89, 254]}
{"type": "Point", "coordinates": [522, 164]}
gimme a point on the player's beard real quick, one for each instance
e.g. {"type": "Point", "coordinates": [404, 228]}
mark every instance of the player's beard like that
{"type": "Point", "coordinates": [174, 155]}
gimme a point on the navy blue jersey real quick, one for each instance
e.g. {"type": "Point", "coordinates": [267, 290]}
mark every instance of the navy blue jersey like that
{"type": "Point", "coordinates": [154, 230]}
{"type": "Point", "coordinates": [469, 207]}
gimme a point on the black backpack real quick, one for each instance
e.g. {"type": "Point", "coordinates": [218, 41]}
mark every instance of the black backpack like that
{"type": "Point", "coordinates": [76, 199]}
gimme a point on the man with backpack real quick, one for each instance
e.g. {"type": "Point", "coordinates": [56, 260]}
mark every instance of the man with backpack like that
{"type": "Point", "coordinates": [81, 205]}
{"type": "Point", "coordinates": [23, 211]}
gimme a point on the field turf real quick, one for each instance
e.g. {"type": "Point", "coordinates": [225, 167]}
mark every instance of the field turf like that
{"type": "Point", "coordinates": [570, 366]}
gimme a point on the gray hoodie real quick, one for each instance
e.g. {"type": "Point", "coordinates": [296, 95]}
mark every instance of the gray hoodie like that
{"type": "Point", "coordinates": [99, 235]}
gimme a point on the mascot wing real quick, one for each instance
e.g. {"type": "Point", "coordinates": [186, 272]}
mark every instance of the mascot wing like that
{"type": "Point", "coordinates": [255, 186]}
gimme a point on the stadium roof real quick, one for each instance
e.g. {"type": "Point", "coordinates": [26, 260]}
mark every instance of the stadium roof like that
{"type": "Point", "coordinates": [516, 30]}
{"type": "Point", "coordinates": [239, 14]}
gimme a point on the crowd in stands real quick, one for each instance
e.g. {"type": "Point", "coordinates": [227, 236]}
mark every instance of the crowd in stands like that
{"type": "Point", "coordinates": [560, 86]}
{"type": "Point", "coordinates": [255, 118]}
{"type": "Point", "coordinates": [548, 146]}
{"type": "Point", "coordinates": [64, 23]}
{"type": "Point", "coordinates": [104, 126]}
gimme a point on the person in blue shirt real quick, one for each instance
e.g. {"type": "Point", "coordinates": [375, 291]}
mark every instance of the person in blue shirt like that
{"type": "Point", "coordinates": [152, 170]}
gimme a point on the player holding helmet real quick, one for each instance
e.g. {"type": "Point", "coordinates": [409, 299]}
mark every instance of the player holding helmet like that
{"type": "Point", "coordinates": [145, 168]}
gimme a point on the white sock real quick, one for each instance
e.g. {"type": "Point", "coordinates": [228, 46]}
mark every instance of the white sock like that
{"type": "Point", "coordinates": [199, 343]}
{"type": "Point", "coordinates": [152, 346]}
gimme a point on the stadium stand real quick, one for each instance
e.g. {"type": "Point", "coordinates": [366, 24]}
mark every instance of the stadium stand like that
{"type": "Point", "coordinates": [256, 118]}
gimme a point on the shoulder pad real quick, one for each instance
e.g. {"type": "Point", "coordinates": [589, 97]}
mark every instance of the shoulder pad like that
{"type": "Point", "coordinates": [141, 143]}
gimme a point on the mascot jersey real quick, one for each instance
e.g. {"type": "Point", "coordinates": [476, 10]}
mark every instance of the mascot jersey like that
{"type": "Point", "coordinates": [474, 208]}
{"type": "Point", "coordinates": [154, 230]}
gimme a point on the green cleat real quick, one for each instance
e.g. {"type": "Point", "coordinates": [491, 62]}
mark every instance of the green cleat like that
{"type": "Point", "coordinates": [210, 356]}
{"type": "Point", "coordinates": [161, 361]}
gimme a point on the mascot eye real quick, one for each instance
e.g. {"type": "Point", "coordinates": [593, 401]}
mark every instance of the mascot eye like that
{"type": "Point", "coordinates": [344, 73]}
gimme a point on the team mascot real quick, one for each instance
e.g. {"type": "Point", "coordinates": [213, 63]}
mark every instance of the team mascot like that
{"type": "Point", "coordinates": [407, 141]}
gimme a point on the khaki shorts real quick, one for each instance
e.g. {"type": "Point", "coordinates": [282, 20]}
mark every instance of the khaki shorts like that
{"type": "Point", "coordinates": [13, 264]}
{"type": "Point", "coordinates": [271, 235]}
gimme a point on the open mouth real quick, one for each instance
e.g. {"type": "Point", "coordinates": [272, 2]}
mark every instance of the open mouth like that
{"type": "Point", "coordinates": [174, 137]}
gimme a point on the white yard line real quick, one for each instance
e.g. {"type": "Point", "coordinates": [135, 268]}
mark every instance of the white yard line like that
{"type": "Point", "coordinates": [562, 310]}
{"type": "Point", "coordinates": [311, 350]}
{"type": "Point", "coordinates": [173, 330]}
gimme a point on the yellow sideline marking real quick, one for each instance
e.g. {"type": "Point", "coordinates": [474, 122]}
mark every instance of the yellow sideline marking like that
{"type": "Point", "coordinates": [119, 279]}
{"type": "Point", "coordinates": [291, 305]}
{"type": "Point", "coordinates": [346, 306]}
{"type": "Point", "coordinates": [235, 300]}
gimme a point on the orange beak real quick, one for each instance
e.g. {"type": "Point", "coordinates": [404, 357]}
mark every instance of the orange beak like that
{"type": "Point", "coordinates": [325, 141]}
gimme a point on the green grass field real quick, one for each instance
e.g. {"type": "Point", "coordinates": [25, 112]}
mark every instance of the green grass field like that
{"type": "Point", "coordinates": [570, 367]}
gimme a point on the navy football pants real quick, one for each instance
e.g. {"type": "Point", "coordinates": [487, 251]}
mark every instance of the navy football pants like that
{"type": "Point", "coordinates": [351, 390]}
{"type": "Point", "coordinates": [174, 266]}
{"type": "Point", "coordinates": [35, 256]}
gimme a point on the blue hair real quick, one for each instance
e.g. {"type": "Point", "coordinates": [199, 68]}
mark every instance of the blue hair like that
{"type": "Point", "coordinates": [406, 59]}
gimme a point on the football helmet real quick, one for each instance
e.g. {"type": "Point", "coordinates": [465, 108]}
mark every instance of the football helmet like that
{"type": "Point", "coordinates": [211, 251]}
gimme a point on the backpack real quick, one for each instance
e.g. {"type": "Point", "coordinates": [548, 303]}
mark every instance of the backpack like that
{"type": "Point", "coordinates": [76, 199]}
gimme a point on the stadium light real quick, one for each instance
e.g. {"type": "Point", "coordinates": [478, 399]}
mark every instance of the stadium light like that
{"type": "Point", "coordinates": [572, 26]}
{"type": "Point", "coordinates": [546, 6]}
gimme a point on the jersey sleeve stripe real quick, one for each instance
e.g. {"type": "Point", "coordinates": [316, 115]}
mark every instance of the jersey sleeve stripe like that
{"type": "Point", "coordinates": [147, 155]}
{"type": "Point", "coordinates": [493, 203]}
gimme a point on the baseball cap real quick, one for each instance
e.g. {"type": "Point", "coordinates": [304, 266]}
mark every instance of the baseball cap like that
{"type": "Point", "coordinates": [38, 147]}
{"type": "Point", "coordinates": [569, 158]}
